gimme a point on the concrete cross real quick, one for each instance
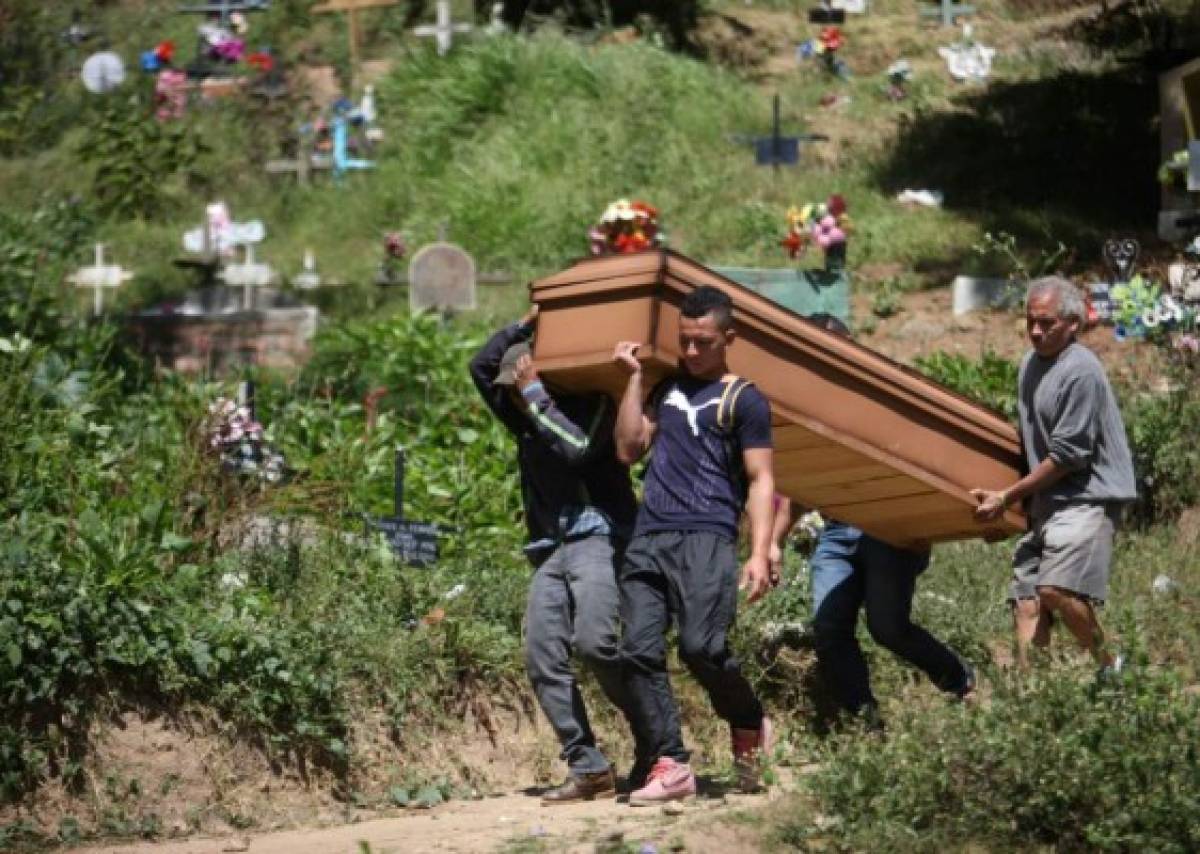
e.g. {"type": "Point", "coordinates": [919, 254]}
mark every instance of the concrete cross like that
{"type": "Point", "coordinates": [249, 274]}
{"type": "Point", "coordinates": [352, 8]}
{"type": "Point", "coordinates": [98, 277]}
{"type": "Point", "coordinates": [443, 31]}
{"type": "Point", "coordinates": [225, 8]}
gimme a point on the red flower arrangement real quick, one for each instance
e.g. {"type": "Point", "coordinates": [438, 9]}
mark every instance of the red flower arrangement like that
{"type": "Point", "coordinates": [261, 60]}
{"type": "Point", "coordinates": [626, 227]}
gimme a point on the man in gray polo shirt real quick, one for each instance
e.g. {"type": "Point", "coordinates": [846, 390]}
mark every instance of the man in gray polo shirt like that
{"type": "Point", "coordinates": [1080, 476]}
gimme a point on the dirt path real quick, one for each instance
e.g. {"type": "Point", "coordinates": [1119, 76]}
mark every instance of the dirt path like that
{"type": "Point", "coordinates": [515, 821]}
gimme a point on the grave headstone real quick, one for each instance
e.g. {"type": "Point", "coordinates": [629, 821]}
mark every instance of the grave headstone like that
{"type": "Point", "coordinates": [98, 277]}
{"type": "Point", "coordinates": [307, 278]}
{"type": "Point", "coordinates": [851, 7]}
{"type": "Point", "coordinates": [441, 276]}
{"type": "Point", "coordinates": [805, 292]}
{"type": "Point", "coordinates": [415, 543]}
{"type": "Point", "coordinates": [972, 293]}
{"type": "Point", "coordinates": [443, 30]}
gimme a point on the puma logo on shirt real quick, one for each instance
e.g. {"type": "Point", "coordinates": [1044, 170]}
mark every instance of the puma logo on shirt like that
{"type": "Point", "coordinates": [678, 399]}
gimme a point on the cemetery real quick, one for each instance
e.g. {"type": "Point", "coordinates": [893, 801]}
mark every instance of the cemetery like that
{"type": "Point", "coordinates": [262, 584]}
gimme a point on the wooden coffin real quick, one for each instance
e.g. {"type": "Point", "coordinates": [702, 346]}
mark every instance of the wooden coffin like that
{"type": "Point", "coordinates": [858, 436]}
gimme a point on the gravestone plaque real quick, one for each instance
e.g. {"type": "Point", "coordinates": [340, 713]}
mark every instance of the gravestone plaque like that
{"type": "Point", "coordinates": [441, 276]}
{"type": "Point", "coordinates": [972, 293]}
{"type": "Point", "coordinates": [415, 543]}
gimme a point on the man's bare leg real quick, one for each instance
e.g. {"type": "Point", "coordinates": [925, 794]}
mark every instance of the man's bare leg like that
{"type": "Point", "coordinates": [1079, 616]}
{"type": "Point", "coordinates": [1031, 623]}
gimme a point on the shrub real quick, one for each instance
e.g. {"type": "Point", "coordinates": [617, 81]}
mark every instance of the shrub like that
{"type": "Point", "coordinates": [991, 380]}
{"type": "Point", "coordinates": [1048, 761]}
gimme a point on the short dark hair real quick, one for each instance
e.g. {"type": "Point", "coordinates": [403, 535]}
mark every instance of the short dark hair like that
{"type": "Point", "coordinates": [705, 300]}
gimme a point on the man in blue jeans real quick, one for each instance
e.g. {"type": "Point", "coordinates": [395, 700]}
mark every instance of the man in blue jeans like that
{"type": "Point", "coordinates": [853, 571]}
{"type": "Point", "coordinates": [579, 510]}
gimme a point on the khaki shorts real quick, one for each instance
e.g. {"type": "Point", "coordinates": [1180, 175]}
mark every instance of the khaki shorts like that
{"type": "Point", "coordinates": [1070, 549]}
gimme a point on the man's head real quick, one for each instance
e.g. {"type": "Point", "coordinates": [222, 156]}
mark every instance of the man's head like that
{"type": "Point", "coordinates": [1054, 312]}
{"type": "Point", "coordinates": [705, 331]}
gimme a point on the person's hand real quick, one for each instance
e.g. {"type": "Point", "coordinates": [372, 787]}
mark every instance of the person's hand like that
{"type": "Point", "coordinates": [756, 578]}
{"type": "Point", "coordinates": [625, 355]}
{"type": "Point", "coordinates": [530, 317]}
{"type": "Point", "coordinates": [524, 372]}
{"type": "Point", "coordinates": [775, 564]}
{"type": "Point", "coordinates": [991, 504]}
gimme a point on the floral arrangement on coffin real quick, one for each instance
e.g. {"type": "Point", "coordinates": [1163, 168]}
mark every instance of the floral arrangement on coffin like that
{"type": "Point", "coordinates": [234, 435]}
{"type": "Point", "coordinates": [825, 224]}
{"type": "Point", "coordinates": [625, 227]}
{"type": "Point", "coordinates": [1173, 173]}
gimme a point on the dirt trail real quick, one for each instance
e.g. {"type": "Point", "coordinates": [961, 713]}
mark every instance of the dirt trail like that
{"type": "Point", "coordinates": [513, 821]}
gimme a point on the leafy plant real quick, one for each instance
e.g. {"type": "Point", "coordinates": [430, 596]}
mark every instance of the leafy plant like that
{"type": "Point", "coordinates": [990, 380]}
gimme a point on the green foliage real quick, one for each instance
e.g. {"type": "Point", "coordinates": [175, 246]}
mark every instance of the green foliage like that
{"type": "Point", "coordinates": [886, 300]}
{"type": "Point", "coordinates": [1048, 761]}
{"type": "Point", "coordinates": [1162, 428]}
{"type": "Point", "coordinates": [990, 380]}
{"type": "Point", "coordinates": [135, 155]}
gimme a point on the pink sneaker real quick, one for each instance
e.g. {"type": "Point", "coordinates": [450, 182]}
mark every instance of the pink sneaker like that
{"type": "Point", "coordinates": [751, 748]}
{"type": "Point", "coordinates": [668, 781]}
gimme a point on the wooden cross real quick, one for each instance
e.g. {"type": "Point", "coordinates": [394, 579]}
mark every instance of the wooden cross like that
{"type": "Point", "coordinates": [948, 10]}
{"type": "Point", "coordinates": [352, 8]}
{"type": "Point", "coordinates": [302, 166]}
{"type": "Point", "coordinates": [100, 276]}
{"type": "Point", "coordinates": [443, 31]}
{"type": "Point", "coordinates": [225, 8]}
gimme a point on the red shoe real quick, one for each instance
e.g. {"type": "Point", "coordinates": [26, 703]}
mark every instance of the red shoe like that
{"type": "Point", "coordinates": [751, 747]}
{"type": "Point", "coordinates": [668, 781]}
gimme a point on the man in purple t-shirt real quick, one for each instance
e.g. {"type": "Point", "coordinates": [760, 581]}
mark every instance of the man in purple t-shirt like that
{"type": "Point", "coordinates": [711, 438]}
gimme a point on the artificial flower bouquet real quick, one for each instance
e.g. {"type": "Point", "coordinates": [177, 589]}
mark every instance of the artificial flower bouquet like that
{"type": "Point", "coordinates": [626, 226]}
{"type": "Point", "coordinates": [233, 434]}
{"type": "Point", "coordinates": [826, 224]}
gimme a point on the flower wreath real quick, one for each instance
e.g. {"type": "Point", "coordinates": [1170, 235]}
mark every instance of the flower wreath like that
{"type": "Point", "coordinates": [626, 227]}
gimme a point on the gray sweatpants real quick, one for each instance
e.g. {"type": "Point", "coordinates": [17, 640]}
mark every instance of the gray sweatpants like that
{"type": "Point", "coordinates": [573, 605]}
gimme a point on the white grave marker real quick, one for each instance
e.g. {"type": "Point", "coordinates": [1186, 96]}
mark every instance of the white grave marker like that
{"type": "Point", "coordinates": [248, 275]}
{"type": "Point", "coordinates": [443, 31]}
{"type": "Point", "coordinates": [308, 278]}
{"type": "Point", "coordinates": [974, 294]}
{"type": "Point", "coordinates": [441, 276]}
{"type": "Point", "coordinates": [100, 276]}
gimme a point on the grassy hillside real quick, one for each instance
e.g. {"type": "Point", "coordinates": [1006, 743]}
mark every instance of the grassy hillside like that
{"type": "Point", "coordinates": [129, 589]}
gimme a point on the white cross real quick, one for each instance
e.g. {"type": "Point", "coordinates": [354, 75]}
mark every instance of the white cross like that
{"type": "Point", "coordinates": [100, 276]}
{"type": "Point", "coordinates": [443, 31]}
{"type": "Point", "coordinates": [249, 274]}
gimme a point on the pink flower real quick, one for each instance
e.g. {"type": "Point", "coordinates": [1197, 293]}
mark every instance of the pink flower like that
{"type": "Point", "coordinates": [826, 232]}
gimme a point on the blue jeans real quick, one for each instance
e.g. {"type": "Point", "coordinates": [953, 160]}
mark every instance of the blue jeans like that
{"type": "Point", "coordinates": [851, 571]}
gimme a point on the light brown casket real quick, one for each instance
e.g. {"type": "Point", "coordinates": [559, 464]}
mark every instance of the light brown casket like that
{"type": "Point", "coordinates": [859, 437]}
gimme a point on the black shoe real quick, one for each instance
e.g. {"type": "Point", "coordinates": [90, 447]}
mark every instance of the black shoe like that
{"type": "Point", "coordinates": [583, 787]}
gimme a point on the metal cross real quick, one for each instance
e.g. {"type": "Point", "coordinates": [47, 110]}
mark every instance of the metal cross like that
{"type": "Point", "coordinates": [443, 31]}
{"type": "Point", "coordinates": [413, 542]}
{"type": "Point", "coordinates": [98, 277]}
{"type": "Point", "coordinates": [947, 10]}
{"type": "Point", "coordinates": [225, 8]}
{"type": "Point", "coordinates": [777, 149]}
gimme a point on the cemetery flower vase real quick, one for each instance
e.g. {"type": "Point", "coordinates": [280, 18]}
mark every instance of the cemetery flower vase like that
{"type": "Point", "coordinates": [858, 437]}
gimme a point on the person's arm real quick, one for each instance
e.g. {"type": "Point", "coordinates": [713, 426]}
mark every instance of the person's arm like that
{"type": "Point", "coordinates": [574, 443]}
{"type": "Point", "coordinates": [634, 430]}
{"type": "Point", "coordinates": [756, 573]}
{"type": "Point", "coordinates": [1072, 442]}
{"type": "Point", "coordinates": [786, 514]}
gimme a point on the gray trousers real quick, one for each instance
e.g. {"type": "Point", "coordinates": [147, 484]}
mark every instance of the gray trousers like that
{"type": "Point", "coordinates": [573, 606]}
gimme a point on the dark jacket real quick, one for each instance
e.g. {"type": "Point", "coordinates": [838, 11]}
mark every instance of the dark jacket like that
{"type": "Point", "coordinates": [565, 448]}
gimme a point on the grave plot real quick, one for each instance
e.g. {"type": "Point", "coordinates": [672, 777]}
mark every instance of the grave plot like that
{"type": "Point", "coordinates": [857, 436]}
